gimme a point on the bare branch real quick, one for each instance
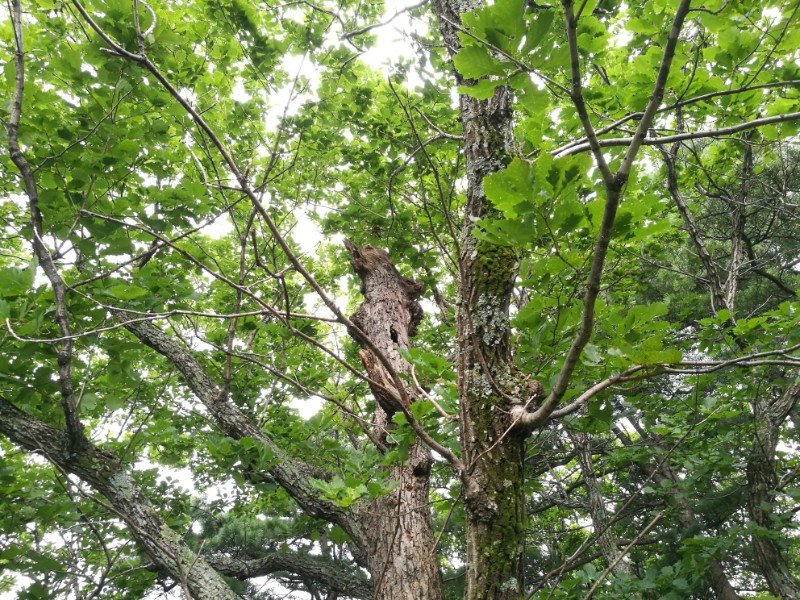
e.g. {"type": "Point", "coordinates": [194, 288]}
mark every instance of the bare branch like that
{"type": "Point", "coordinates": [351, 34]}
{"type": "Point", "coordinates": [681, 103]}
{"type": "Point", "coordinates": [658, 91]}
{"type": "Point", "coordinates": [680, 137]}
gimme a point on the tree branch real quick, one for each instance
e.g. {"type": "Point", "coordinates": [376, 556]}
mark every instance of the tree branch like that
{"type": "Point", "coordinates": [676, 105]}
{"type": "Point", "coordinates": [576, 94]}
{"type": "Point", "coordinates": [622, 554]}
{"type": "Point", "coordinates": [658, 91]}
{"type": "Point", "coordinates": [292, 475]}
{"type": "Point", "coordinates": [249, 191]}
{"type": "Point", "coordinates": [613, 194]}
{"type": "Point", "coordinates": [77, 438]}
{"type": "Point", "coordinates": [335, 577]}
{"type": "Point", "coordinates": [104, 472]}
{"type": "Point", "coordinates": [680, 137]}
{"type": "Point", "coordinates": [351, 34]}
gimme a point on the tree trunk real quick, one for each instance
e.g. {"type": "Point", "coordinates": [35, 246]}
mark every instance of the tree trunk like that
{"type": "Point", "coordinates": [761, 483]}
{"type": "Point", "coordinates": [494, 498]}
{"type": "Point", "coordinates": [397, 528]}
{"type": "Point", "coordinates": [606, 540]}
{"type": "Point", "coordinates": [491, 452]}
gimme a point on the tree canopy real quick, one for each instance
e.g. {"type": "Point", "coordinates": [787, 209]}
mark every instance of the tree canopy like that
{"type": "Point", "coordinates": [533, 285]}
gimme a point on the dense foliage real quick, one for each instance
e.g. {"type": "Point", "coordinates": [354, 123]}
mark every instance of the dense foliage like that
{"type": "Point", "coordinates": [597, 205]}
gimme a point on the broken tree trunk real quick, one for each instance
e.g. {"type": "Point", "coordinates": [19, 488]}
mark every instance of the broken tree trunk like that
{"type": "Point", "coordinates": [397, 527]}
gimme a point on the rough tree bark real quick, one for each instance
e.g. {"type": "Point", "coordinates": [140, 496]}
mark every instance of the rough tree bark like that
{"type": "Point", "coordinates": [397, 528]}
{"type": "Point", "coordinates": [606, 540]}
{"type": "Point", "coordinates": [329, 576]}
{"type": "Point", "coordinates": [106, 474]}
{"type": "Point", "coordinates": [490, 450]}
{"type": "Point", "coordinates": [762, 481]}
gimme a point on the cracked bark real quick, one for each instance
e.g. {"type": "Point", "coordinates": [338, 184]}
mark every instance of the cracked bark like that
{"type": "Point", "coordinates": [397, 528]}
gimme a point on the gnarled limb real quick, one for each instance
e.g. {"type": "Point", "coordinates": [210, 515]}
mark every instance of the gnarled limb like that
{"type": "Point", "coordinates": [328, 575]}
{"type": "Point", "coordinates": [105, 473]}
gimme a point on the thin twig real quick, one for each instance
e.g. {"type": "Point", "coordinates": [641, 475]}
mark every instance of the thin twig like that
{"type": "Point", "coordinates": [694, 135]}
{"type": "Point", "coordinates": [622, 554]}
{"type": "Point", "coordinates": [351, 34]}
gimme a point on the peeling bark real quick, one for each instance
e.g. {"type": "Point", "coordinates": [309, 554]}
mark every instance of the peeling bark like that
{"type": "Point", "coordinates": [397, 528]}
{"type": "Point", "coordinates": [388, 316]}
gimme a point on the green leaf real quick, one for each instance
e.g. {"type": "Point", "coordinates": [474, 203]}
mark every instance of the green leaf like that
{"type": "Point", "coordinates": [114, 402]}
{"type": "Point", "coordinates": [15, 281]}
{"type": "Point", "coordinates": [534, 100]}
{"type": "Point", "coordinates": [511, 186]}
{"type": "Point", "coordinates": [43, 562]}
{"type": "Point", "coordinates": [483, 89]}
{"type": "Point", "coordinates": [126, 291]}
{"type": "Point", "coordinates": [591, 355]}
{"type": "Point", "coordinates": [88, 402]}
{"type": "Point", "coordinates": [338, 535]}
{"type": "Point", "coordinates": [474, 62]}
{"type": "Point", "coordinates": [501, 24]}
{"type": "Point", "coordinates": [537, 31]}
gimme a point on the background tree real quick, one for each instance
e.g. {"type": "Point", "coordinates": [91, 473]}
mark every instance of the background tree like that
{"type": "Point", "coordinates": [570, 369]}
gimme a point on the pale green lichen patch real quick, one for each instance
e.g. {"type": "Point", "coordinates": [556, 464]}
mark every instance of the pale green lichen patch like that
{"type": "Point", "coordinates": [123, 485]}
